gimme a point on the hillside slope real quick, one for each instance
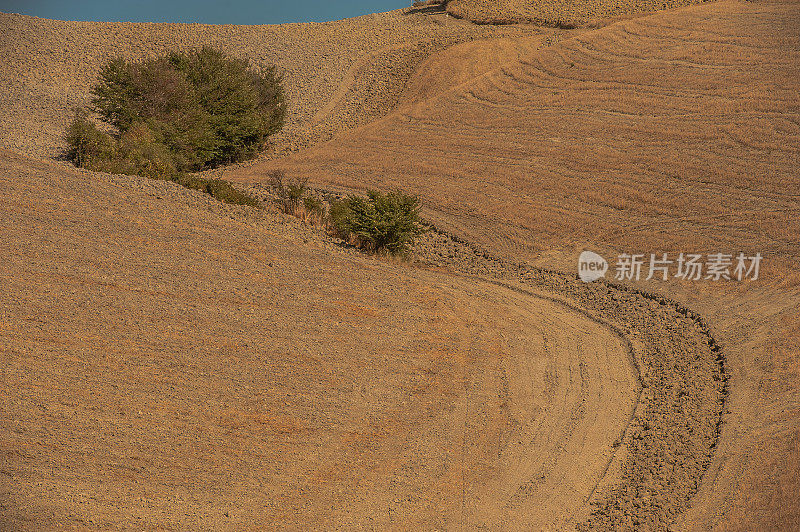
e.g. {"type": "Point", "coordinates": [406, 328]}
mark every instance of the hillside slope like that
{"type": "Point", "coordinates": [675, 132]}
{"type": "Point", "coordinates": [563, 13]}
{"type": "Point", "coordinates": [685, 118]}
{"type": "Point", "coordinates": [337, 74]}
{"type": "Point", "coordinates": [169, 361]}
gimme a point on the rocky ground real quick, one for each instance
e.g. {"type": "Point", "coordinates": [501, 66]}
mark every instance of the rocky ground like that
{"type": "Point", "coordinates": [676, 423]}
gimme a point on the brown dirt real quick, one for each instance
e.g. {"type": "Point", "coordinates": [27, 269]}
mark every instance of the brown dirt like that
{"type": "Point", "coordinates": [182, 348]}
{"type": "Point", "coordinates": [667, 133]}
{"type": "Point", "coordinates": [170, 362]}
{"type": "Point", "coordinates": [173, 362]}
{"type": "Point", "coordinates": [674, 428]}
{"type": "Point", "coordinates": [560, 13]}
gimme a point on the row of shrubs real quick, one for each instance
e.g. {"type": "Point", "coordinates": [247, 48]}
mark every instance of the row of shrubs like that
{"type": "Point", "coordinates": [380, 222]}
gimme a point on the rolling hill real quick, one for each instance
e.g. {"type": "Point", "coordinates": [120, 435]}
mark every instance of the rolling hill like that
{"type": "Point", "coordinates": [171, 362]}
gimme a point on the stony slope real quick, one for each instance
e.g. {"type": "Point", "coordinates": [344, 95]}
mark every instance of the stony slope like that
{"type": "Point", "coordinates": [561, 13]}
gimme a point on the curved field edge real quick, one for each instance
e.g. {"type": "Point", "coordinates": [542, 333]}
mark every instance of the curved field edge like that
{"type": "Point", "coordinates": [96, 257]}
{"type": "Point", "coordinates": [556, 13]}
{"type": "Point", "coordinates": [740, 54]}
{"type": "Point", "coordinates": [676, 426]}
{"type": "Point", "coordinates": [643, 322]}
{"type": "Point", "coordinates": [610, 510]}
{"type": "Point", "coordinates": [371, 89]}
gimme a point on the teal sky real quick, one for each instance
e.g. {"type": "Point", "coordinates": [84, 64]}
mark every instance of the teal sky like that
{"type": "Point", "coordinates": [204, 11]}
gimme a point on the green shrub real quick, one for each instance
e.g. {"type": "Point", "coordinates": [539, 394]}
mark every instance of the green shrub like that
{"type": "Point", "coordinates": [140, 153]}
{"type": "Point", "coordinates": [88, 145]}
{"type": "Point", "coordinates": [314, 209]}
{"type": "Point", "coordinates": [219, 188]}
{"type": "Point", "coordinates": [184, 112]}
{"type": "Point", "coordinates": [378, 222]}
{"type": "Point", "coordinates": [135, 152]}
{"type": "Point", "coordinates": [338, 217]}
{"type": "Point", "coordinates": [314, 205]}
{"type": "Point", "coordinates": [289, 192]}
{"type": "Point", "coordinates": [207, 109]}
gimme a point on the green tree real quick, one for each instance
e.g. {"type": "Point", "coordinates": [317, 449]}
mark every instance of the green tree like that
{"type": "Point", "coordinates": [380, 221]}
{"type": "Point", "coordinates": [201, 108]}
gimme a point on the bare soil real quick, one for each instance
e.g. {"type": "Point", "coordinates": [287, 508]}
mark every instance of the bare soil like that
{"type": "Point", "coordinates": [336, 74]}
{"type": "Point", "coordinates": [558, 13]}
{"type": "Point", "coordinates": [672, 132]}
{"type": "Point", "coordinates": [171, 362]}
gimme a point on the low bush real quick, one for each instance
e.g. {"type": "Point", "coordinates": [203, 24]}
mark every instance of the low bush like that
{"type": "Point", "coordinates": [88, 146]}
{"type": "Point", "coordinates": [338, 214]}
{"type": "Point", "coordinates": [380, 222]}
{"type": "Point", "coordinates": [135, 152]}
{"type": "Point", "coordinates": [203, 107]}
{"type": "Point", "coordinates": [290, 192]}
